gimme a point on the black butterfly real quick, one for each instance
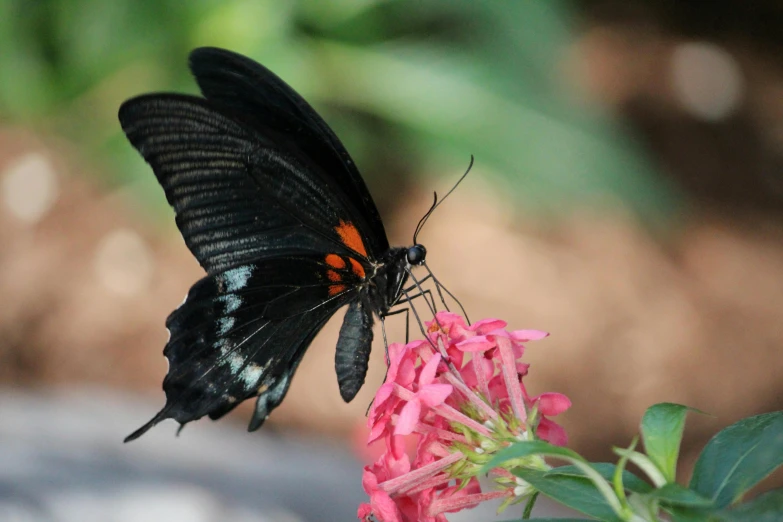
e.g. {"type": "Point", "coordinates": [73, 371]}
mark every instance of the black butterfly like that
{"type": "Point", "coordinates": [274, 209]}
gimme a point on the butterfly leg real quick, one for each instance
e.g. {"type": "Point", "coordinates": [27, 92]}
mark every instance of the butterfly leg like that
{"type": "Point", "coordinates": [424, 293]}
{"type": "Point", "coordinates": [439, 286]}
{"type": "Point", "coordinates": [407, 299]}
{"type": "Point", "coordinates": [385, 341]}
{"type": "Point", "coordinates": [405, 311]}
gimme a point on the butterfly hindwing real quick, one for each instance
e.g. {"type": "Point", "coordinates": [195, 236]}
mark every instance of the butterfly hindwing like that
{"type": "Point", "coordinates": [242, 332]}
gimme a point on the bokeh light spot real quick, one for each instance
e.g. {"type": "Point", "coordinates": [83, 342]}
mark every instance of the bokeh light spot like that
{"type": "Point", "coordinates": [124, 263]}
{"type": "Point", "coordinates": [29, 187]}
{"type": "Point", "coordinates": [707, 80]}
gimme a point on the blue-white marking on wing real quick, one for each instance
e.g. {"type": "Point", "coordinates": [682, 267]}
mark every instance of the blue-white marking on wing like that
{"type": "Point", "coordinates": [231, 302]}
{"type": "Point", "coordinates": [237, 278]}
{"type": "Point", "coordinates": [251, 374]}
{"type": "Point", "coordinates": [225, 324]}
{"type": "Point", "coordinates": [222, 345]}
{"type": "Point", "coordinates": [236, 362]}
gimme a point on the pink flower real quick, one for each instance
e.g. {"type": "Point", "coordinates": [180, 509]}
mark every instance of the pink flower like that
{"type": "Point", "coordinates": [460, 393]}
{"type": "Point", "coordinates": [549, 405]}
{"type": "Point", "coordinates": [428, 394]}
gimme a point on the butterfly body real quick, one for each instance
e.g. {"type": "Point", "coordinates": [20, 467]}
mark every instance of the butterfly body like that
{"type": "Point", "coordinates": [273, 208]}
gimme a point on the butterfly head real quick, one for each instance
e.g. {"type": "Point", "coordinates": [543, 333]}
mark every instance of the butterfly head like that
{"type": "Point", "coordinates": [416, 255]}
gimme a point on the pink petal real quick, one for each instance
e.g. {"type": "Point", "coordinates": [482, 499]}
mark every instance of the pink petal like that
{"type": "Point", "coordinates": [483, 370]}
{"type": "Point", "coordinates": [408, 418]}
{"type": "Point", "coordinates": [384, 508]}
{"type": "Point", "coordinates": [497, 388]}
{"type": "Point", "coordinates": [396, 351]}
{"type": "Point", "coordinates": [487, 325]}
{"type": "Point", "coordinates": [479, 343]}
{"type": "Point", "coordinates": [453, 494]}
{"type": "Point", "coordinates": [468, 375]}
{"type": "Point", "coordinates": [508, 369]}
{"type": "Point", "coordinates": [415, 345]}
{"type": "Point", "coordinates": [499, 332]}
{"type": "Point", "coordinates": [434, 394]}
{"type": "Point", "coordinates": [369, 480]}
{"type": "Point", "coordinates": [551, 404]}
{"type": "Point", "coordinates": [456, 356]}
{"type": "Point", "coordinates": [449, 320]}
{"type": "Point", "coordinates": [395, 461]}
{"type": "Point", "coordinates": [453, 326]}
{"type": "Point", "coordinates": [522, 336]}
{"type": "Point", "coordinates": [428, 372]}
{"type": "Point", "coordinates": [364, 512]}
{"type": "Point", "coordinates": [517, 348]}
{"type": "Point", "coordinates": [423, 454]}
{"type": "Point", "coordinates": [406, 373]}
{"type": "Point", "coordinates": [424, 500]}
{"type": "Point", "coordinates": [379, 403]}
{"type": "Point", "coordinates": [397, 354]}
{"type": "Point", "coordinates": [552, 432]}
{"type": "Point", "coordinates": [396, 447]}
{"type": "Point", "coordinates": [377, 430]}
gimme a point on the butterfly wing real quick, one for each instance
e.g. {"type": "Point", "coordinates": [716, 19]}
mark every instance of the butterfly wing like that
{"type": "Point", "coordinates": [238, 195]}
{"type": "Point", "coordinates": [253, 94]}
{"type": "Point", "coordinates": [242, 332]}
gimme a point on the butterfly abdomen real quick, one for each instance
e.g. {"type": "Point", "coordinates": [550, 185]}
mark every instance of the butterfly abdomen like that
{"type": "Point", "coordinates": [353, 349]}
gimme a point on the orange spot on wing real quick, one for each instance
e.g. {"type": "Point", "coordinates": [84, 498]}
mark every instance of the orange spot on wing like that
{"type": "Point", "coordinates": [350, 237]}
{"type": "Point", "coordinates": [356, 267]}
{"type": "Point", "coordinates": [333, 276]}
{"type": "Point", "coordinates": [336, 289]}
{"type": "Point", "coordinates": [335, 261]}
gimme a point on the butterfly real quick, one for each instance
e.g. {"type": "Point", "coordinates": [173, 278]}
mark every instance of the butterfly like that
{"type": "Point", "coordinates": [273, 208]}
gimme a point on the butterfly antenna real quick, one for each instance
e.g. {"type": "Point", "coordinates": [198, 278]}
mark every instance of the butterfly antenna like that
{"type": "Point", "coordinates": [424, 218]}
{"type": "Point", "coordinates": [436, 203]}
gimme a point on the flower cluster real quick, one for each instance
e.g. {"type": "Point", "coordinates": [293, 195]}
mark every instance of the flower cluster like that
{"type": "Point", "coordinates": [460, 393]}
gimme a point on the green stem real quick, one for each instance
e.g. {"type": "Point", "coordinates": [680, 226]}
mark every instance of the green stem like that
{"type": "Point", "coordinates": [529, 506]}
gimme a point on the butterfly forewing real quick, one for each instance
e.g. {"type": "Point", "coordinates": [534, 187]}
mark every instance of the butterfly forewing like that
{"type": "Point", "coordinates": [255, 95]}
{"type": "Point", "coordinates": [237, 196]}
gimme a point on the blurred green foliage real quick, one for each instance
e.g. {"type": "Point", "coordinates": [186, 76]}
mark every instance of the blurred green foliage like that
{"type": "Point", "coordinates": [410, 86]}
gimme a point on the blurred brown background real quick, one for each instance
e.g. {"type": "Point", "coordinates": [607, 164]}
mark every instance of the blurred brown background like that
{"type": "Point", "coordinates": [626, 197]}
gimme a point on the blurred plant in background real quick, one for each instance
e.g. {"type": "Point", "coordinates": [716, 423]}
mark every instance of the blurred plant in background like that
{"type": "Point", "coordinates": [404, 84]}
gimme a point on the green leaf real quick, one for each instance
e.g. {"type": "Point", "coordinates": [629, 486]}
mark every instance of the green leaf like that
{"type": "Point", "coordinates": [607, 470]}
{"type": "Point", "coordinates": [688, 514]}
{"type": "Point", "coordinates": [578, 493]}
{"type": "Point", "coordinates": [738, 457]}
{"type": "Point", "coordinates": [676, 495]}
{"type": "Point", "coordinates": [662, 427]}
{"type": "Point", "coordinates": [764, 508]}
